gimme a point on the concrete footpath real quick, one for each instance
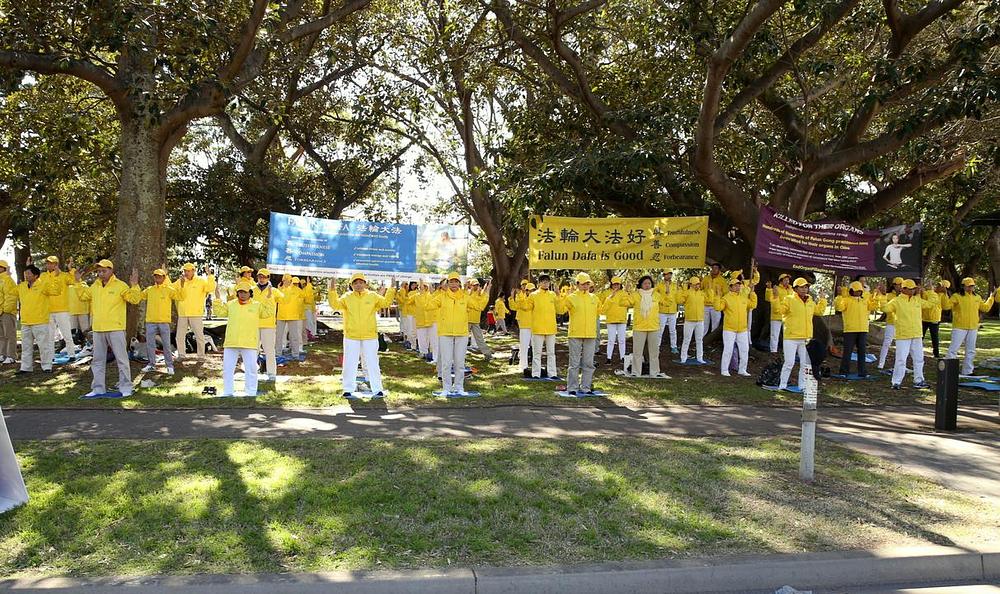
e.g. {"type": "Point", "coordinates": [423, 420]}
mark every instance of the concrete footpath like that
{"type": "Point", "coordinates": [845, 571]}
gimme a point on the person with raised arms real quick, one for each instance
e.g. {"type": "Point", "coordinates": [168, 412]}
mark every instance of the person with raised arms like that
{"type": "Point", "coordinates": [159, 298]}
{"type": "Point", "coordinates": [424, 313]}
{"type": "Point", "coordinates": [774, 295]}
{"type": "Point", "coordinates": [694, 298]}
{"type": "Point", "coordinates": [268, 296]}
{"type": "Point", "coordinates": [716, 284]}
{"type": "Point", "coordinates": [938, 294]}
{"type": "Point", "coordinates": [191, 293]}
{"type": "Point", "coordinates": [8, 315]}
{"type": "Point", "coordinates": [735, 306]}
{"type": "Point", "coordinates": [523, 317]}
{"type": "Point", "coordinates": [453, 306]}
{"type": "Point", "coordinates": [615, 308]}
{"type": "Point", "coordinates": [500, 314]}
{"type": "Point", "coordinates": [360, 307]}
{"type": "Point", "coordinates": [966, 307]}
{"type": "Point", "coordinates": [245, 315]}
{"type": "Point", "coordinates": [583, 308]}
{"type": "Point", "coordinates": [668, 308]}
{"type": "Point", "coordinates": [797, 312]}
{"type": "Point", "coordinates": [542, 303]}
{"type": "Point", "coordinates": [59, 318]}
{"type": "Point", "coordinates": [291, 313]}
{"type": "Point", "coordinates": [245, 275]}
{"type": "Point", "coordinates": [645, 302]}
{"type": "Point", "coordinates": [890, 320]}
{"type": "Point", "coordinates": [109, 298]}
{"type": "Point", "coordinates": [854, 309]}
{"type": "Point", "coordinates": [33, 295]}
{"type": "Point", "coordinates": [478, 299]}
{"type": "Point", "coordinates": [907, 308]}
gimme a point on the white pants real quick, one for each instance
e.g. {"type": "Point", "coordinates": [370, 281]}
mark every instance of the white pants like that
{"type": "Point", "coordinates": [968, 338]}
{"type": "Point", "coordinates": [477, 335]}
{"type": "Point", "coordinates": [712, 320]}
{"type": "Point", "coordinates": [290, 331]}
{"type": "Point", "coordinates": [887, 337]}
{"type": "Point", "coordinates": [268, 336]}
{"type": "Point", "coordinates": [794, 349]}
{"type": "Point", "coordinates": [115, 340]}
{"type": "Point", "coordinates": [775, 335]}
{"type": "Point", "coordinates": [197, 325]}
{"type": "Point", "coordinates": [424, 340]}
{"type": "Point", "coordinates": [229, 357]}
{"type": "Point", "coordinates": [693, 329]}
{"type": "Point", "coordinates": [742, 341]}
{"type": "Point", "coordinates": [353, 351]}
{"type": "Point", "coordinates": [908, 347]}
{"type": "Point", "coordinates": [433, 342]}
{"type": "Point", "coordinates": [524, 343]}
{"type": "Point", "coordinates": [60, 321]}
{"type": "Point", "coordinates": [453, 349]}
{"type": "Point", "coordinates": [311, 321]}
{"type": "Point", "coordinates": [669, 322]}
{"type": "Point", "coordinates": [616, 335]}
{"type": "Point", "coordinates": [549, 341]}
{"type": "Point", "coordinates": [81, 322]}
{"type": "Point", "coordinates": [40, 335]}
{"type": "Point", "coordinates": [410, 330]}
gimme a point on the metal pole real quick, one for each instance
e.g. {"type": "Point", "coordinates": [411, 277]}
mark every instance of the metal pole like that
{"type": "Point", "coordinates": [397, 192]}
{"type": "Point", "coordinates": [807, 451]}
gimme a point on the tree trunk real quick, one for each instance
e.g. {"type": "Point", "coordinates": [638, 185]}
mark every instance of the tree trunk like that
{"type": "Point", "coordinates": [141, 232]}
{"type": "Point", "coordinates": [993, 249]}
{"type": "Point", "coordinates": [22, 250]}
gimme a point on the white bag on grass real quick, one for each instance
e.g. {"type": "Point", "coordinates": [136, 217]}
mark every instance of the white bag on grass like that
{"type": "Point", "coordinates": [13, 493]}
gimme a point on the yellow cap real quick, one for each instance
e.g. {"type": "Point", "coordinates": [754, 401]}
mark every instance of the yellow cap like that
{"type": "Point", "coordinates": [583, 277]}
{"type": "Point", "coordinates": [474, 281]}
{"type": "Point", "coordinates": [4, 264]}
{"type": "Point", "coordinates": [286, 277]}
{"type": "Point", "coordinates": [454, 276]}
{"type": "Point", "coordinates": [784, 275]}
{"type": "Point", "coordinates": [616, 279]}
{"type": "Point", "coordinates": [898, 280]}
{"type": "Point", "coordinates": [106, 264]}
{"type": "Point", "coordinates": [160, 272]}
{"type": "Point", "coordinates": [968, 281]}
{"type": "Point", "coordinates": [944, 283]}
{"type": "Point", "coordinates": [694, 280]}
{"type": "Point", "coordinates": [800, 282]}
{"type": "Point", "coordinates": [296, 280]}
{"type": "Point", "coordinates": [524, 281]}
{"type": "Point", "coordinates": [53, 259]}
{"type": "Point", "coordinates": [530, 286]}
{"type": "Point", "coordinates": [264, 271]}
{"type": "Point", "coordinates": [857, 286]}
{"type": "Point", "coordinates": [736, 280]}
{"type": "Point", "coordinates": [358, 276]}
{"type": "Point", "coordinates": [909, 284]}
{"type": "Point", "coordinates": [188, 266]}
{"type": "Point", "coordinates": [244, 286]}
{"type": "Point", "coordinates": [245, 269]}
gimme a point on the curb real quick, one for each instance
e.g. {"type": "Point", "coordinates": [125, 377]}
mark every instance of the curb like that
{"type": "Point", "coordinates": [741, 574]}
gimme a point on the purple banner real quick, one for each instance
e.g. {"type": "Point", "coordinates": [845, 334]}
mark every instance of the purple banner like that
{"type": "Point", "coordinates": [832, 246]}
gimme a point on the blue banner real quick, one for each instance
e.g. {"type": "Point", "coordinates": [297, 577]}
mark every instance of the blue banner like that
{"type": "Point", "coordinates": [312, 246]}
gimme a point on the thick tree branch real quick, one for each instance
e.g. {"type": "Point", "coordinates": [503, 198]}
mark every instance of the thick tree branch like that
{"type": "Point", "coordinates": [893, 194]}
{"type": "Point", "coordinates": [239, 141]}
{"type": "Point", "coordinates": [49, 64]}
{"type": "Point", "coordinates": [248, 38]}
{"type": "Point", "coordinates": [323, 22]}
{"type": "Point", "coordinates": [564, 17]}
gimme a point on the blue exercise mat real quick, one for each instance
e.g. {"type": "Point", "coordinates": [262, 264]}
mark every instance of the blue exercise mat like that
{"type": "Point", "coordinates": [988, 386]}
{"type": "Point", "coordinates": [543, 379]}
{"type": "Point", "coordinates": [792, 389]}
{"type": "Point", "coordinates": [869, 358]}
{"type": "Point", "coordinates": [363, 396]}
{"type": "Point", "coordinates": [694, 362]}
{"type": "Point", "coordinates": [596, 394]}
{"type": "Point", "coordinates": [469, 394]}
{"type": "Point", "coordinates": [104, 395]}
{"type": "Point", "coordinates": [852, 377]}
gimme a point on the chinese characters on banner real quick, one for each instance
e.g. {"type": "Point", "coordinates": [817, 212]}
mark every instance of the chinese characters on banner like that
{"type": "Point", "coordinates": [618, 243]}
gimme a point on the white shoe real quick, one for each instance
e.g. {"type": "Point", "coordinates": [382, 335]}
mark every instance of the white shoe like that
{"type": "Point", "coordinates": [148, 368]}
{"type": "Point", "coordinates": [91, 394]}
{"type": "Point", "coordinates": [8, 361]}
{"type": "Point", "coordinates": [744, 374]}
{"type": "Point", "coordinates": [126, 393]}
{"type": "Point", "coordinates": [170, 370]}
{"type": "Point", "coordinates": [726, 374]}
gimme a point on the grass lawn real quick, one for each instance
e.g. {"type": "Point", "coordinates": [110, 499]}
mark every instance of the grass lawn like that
{"type": "Point", "coordinates": [410, 383]}
{"type": "Point", "coordinates": [151, 507]}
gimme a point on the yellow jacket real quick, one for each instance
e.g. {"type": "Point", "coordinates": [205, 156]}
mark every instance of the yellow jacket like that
{"type": "Point", "coordinates": [797, 316]}
{"type": "Point", "coordinates": [718, 285]}
{"type": "Point", "coordinates": [291, 303]}
{"type": "Point", "coordinates": [108, 303]}
{"type": "Point", "coordinates": [403, 298]}
{"type": "Point", "coordinates": [965, 310]}
{"type": "Point", "coordinates": [309, 297]}
{"type": "Point", "coordinates": [908, 317]}
{"type": "Point", "coordinates": [854, 311]}
{"type": "Point", "coordinates": [243, 328]}
{"type": "Point", "coordinates": [191, 295]}
{"type": "Point", "coordinates": [499, 309]}
{"type": "Point", "coordinates": [60, 280]}
{"type": "Point", "coordinates": [159, 299]}
{"type": "Point", "coordinates": [8, 294]}
{"type": "Point", "coordinates": [649, 322]}
{"type": "Point", "coordinates": [694, 302]}
{"type": "Point", "coordinates": [542, 304]}
{"type": "Point", "coordinates": [583, 308]}
{"type": "Point", "coordinates": [453, 312]}
{"type": "Point", "coordinates": [668, 300]}
{"type": "Point", "coordinates": [933, 314]}
{"type": "Point", "coordinates": [615, 307]}
{"type": "Point", "coordinates": [775, 301]}
{"type": "Point", "coordinates": [524, 315]}
{"type": "Point", "coordinates": [890, 317]}
{"type": "Point", "coordinates": [35, 301]}
{"type": "Point", "coordinates": [736, 306]}
{"type": "Point", "coordinates": [424, 308]}
{"type": "Point", "coordinates": [76, 307]}
{"type": "Point", "coordinates": [359, 312]}
{"type": "Point", "coordinates": [268, 298]}
{"type": "Point", "coordinates": [476, 303]}
{"type": "Point", "coordinates": [437, 311]}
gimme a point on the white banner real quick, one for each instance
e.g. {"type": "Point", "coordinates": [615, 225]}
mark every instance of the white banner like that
{"type": "Point", "coordinates": [13, 493]}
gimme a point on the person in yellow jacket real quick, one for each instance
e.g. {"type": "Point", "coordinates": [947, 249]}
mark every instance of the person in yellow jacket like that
{"type": "Point", "coordinates": [191, 293]}
{"type": "Point", "coordinates": [478, 299]}
{"type": "Point", "coordinates": [668, 308]}
{"type": "Point", "coordinates": [854, 309]}
{"type": "Point", "coordinates": [542, 303]}
{"type": "Point", "coordinates": [424, 316]}
{"type": "Point", "coordinates": [906, 309]}
{"type": "Point", "coordinates": [523, 318]}
{"type": "Point", "coordinates": [583, 309]}
{"type": "Point", "coordinates": [79, 312]}
{"type": "Point", "coordinates": [407, 316]}
{"type": "Point", "coordinates": [938, 295]}
{"type": "Point", "coordinates": [645, 302]}
{"type": "Point", "coordinates": [717, 284]}
{"type": "Point", "coordinates": [454, 307]}
{"type": "Point", "coordinates": [615, 306]}
{"type": "Point", "coordinates": [360, 307]}
{"type": "Point", "coordinates": [59, 320]}
{"type": "Point", "coordinates": [890, 320]}
{"type": "Point", "coordinates": [159, 298]}
{"type": "Point", "coordinates": [109, 298]}
{"type": "Point", "coordinates": [694, 298]}
{"type": "Point", "coordinates": [8, 316]}
{"type": "Point", "coordinates": [245, 315]}
{"type": "Point", "coordinates": [268, 296]}
{"type": "Point", "coordinates": [774, 295]}
{"type": "Point", "coordinates": [747, 287]}
{"type": "Point", "coordinates": [309, 326]}
{"type": "Point", "coordinates": [966, 306]}
{"type": "Point", "coordinates": [245, 276]}
{"type": "Point", "coordinates": [797, 312]}
{"type": "Point", "coordinates": [500, 313]}
{"type": "Point", "coordinates": [34, 295]}
{"type": "Point", "coordinates": [291, 312]}
{"type": "Point", "coordinates": [734, 306]}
